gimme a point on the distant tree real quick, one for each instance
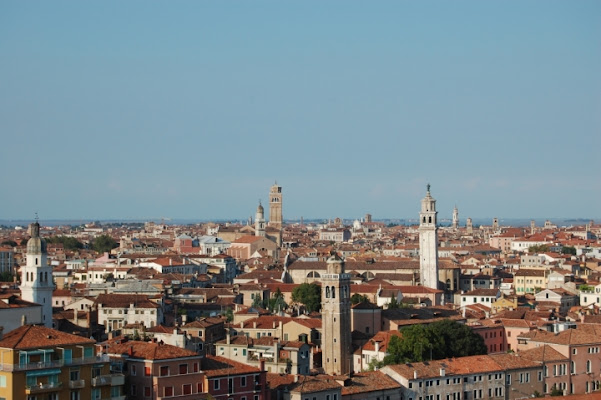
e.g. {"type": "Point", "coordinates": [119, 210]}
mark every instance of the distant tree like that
{"type": "Point", "coordinates": [10, 243]}
{"type": "Point", "coordinates": [359, 298]}
{"type": "Point", "coordinates": [459, 339]}
{"type": "Point", "coordinates": [393, 303]}
{"type": "Point", "coordinates": [69, 243]}
{"type": "Point", "coordinates": [276, 302]}
{"type": "Point", "coordinates": [568, 250]}
{"type": "Point", "coordinates": [258, 301]}
{"type": "Point", "coordinates": [308, 294]}
{"type": "Point", "coordinates": [104, 243]}
{"type": "Point", "coordinates": [539, 248]}
{"type": "Point", "coordinates": [585, 288]}
{"type": "Point", "coordinates": [441, 339]}
{"type": "Point", "coordinates": [555, 391]}
{"type": "Point", "coordinates": [6, 277]}
{"type": "Point", "coordinates": [229, 315]}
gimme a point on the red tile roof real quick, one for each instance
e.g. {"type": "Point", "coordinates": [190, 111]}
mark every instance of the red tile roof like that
{"type": "Point", "coordinates": [34, 336]}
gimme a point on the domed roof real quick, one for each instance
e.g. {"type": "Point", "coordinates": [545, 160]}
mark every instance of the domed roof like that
{"type": "Point", "coordinates": [260, 209]}
{"type": "Point", "coordinates": [35, 245]}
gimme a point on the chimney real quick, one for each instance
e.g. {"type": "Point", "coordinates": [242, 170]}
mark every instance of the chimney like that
{"type": "Point", "coordinates": [242, 325]}
{"type": "Point", "coordinates": [273, 324]}
{"type": "Point", "coordinates": [377, 348]}
{"type": "Point", "coordinates": [228, 337]}
{"type": "Point", "coordinates": [414, 374]}
{"type": "Point", "coordinates": [170, 261]}
{"type": "Point", "coordinates": [130, 351]}
{"type": "Point", "coordinates": [262, 364]}
{"type": "Point", "coordinates": [254, 324]}
{"type": "Point", "coordinates": [442, 372]}
{"type": "Point", "coordinates": [23, 320]}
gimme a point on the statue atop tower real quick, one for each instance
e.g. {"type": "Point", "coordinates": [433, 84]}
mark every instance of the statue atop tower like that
{"type": "Point", "coordinates": [428, 242]}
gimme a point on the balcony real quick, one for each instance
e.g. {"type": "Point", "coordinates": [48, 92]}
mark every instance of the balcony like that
{"type": "Point", "coordinates": [77, 384]}
{"type": "Point", "coordinates": [109, 380]}
{"type": "Point", "coordinates": [54, 363]}
{"type": "Point", "coordinates": [43, 388]}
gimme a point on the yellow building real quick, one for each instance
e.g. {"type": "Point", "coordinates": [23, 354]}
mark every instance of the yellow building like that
{"type": "Point", "coordinates": [39, 363]}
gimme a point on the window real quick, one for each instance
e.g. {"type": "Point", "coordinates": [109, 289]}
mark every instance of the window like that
{"type": "Point", "coordinates": [243, 381]}
{"type": "Point", "coordinates": [147, 370]}
{"type": "Point", "coordinates": [74, 374]}
{"type": "Point", "coordinates": [216, 384]}
{"type": "Point", "coordinates": [164, 370]}
{"type": "Point", "coordinates": [187, 388]}
{"type": "Point", "coordinates": [133, 370]}
{"type": "Point", "coordinates": [183, 369]}
{"type": "Point", "coordinates": [146, 391]}
{"type": "Point", "coordinates": [133, 390]}
{"type": "Point", "coordinates": [168, 391]}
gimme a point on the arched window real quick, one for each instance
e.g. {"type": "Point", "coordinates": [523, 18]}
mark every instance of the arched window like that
{"type": "Point", "coordinates": [36, 261]}
{"type": "Point", "coordinates": [327, 292]}
{"type": "Point", "coordinates": [424, 220]}
{"type": "Point", "coordinates": [429, 220]}
{"type": "Point", "coordinates": [333, 292]}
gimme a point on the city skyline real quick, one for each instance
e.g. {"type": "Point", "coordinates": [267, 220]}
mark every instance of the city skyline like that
{"type": "Point", "coordinates": [135, 110]}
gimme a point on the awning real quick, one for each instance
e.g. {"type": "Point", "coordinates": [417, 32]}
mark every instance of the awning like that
{"type": "Point", "coordinates": [44, 372]}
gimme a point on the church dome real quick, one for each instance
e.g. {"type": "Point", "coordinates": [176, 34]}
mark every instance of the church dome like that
{"type": "Point", "coordinates": [35, 245]}
{"type": "Point", "coordinates": [260, 209]}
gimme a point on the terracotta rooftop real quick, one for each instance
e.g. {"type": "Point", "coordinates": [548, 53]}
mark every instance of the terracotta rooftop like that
{"type": "Point", "coordinates": [366, 382]}
{"type": "Point", "coordinates": [34, 336]}
{"type": "Point", "coordinates": [214, 366]}
{"type": "Point", "coordinates": [148, 350]}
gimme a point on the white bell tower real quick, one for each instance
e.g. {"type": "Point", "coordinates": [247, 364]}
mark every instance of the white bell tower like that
{"type": "Point", "coordinates": [36, 276]}
{"type": "Point", "coordinates": [428, 242]}
{"type": "Point", "coordinates": [260, 221]}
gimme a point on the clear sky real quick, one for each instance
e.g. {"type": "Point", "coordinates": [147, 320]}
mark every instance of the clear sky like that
{"type": "Point", "coordinates": [192, 109]}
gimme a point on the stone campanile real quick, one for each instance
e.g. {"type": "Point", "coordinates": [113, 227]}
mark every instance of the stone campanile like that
{"type": "Point", "coordinates": [36, 276]}
{"type": "Point", "coordinates": [275, 206]}
{"type": "Point", "coordinates": [455, 218]}
{"type": "Point", "coordinates": [428, 242]}
{"type": "Point", "coordinates": [336, 318]}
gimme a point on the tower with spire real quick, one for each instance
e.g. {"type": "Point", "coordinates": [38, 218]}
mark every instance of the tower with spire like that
{"type": "Point", "coordinates": [260, 221]}
{"type": "Point", "coordinates": [36, 276]}
{"type": "Point", "coordinates": [275, 206]}
{"type": "Point", "coordinates": [428, 242]}
{"type": "Point", "coordinates": [336, 318]}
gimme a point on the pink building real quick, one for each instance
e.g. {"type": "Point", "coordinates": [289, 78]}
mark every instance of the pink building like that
{"type": "Point", "coordinates": [582, 347]}
{"type": "Point", "coordinates": [230, 380]}
{"type": "Point", "coordinates": [158, 371]}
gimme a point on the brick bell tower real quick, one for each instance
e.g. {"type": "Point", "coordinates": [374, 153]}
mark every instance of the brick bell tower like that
{"type": "Point", "coordinates": [336, 318]}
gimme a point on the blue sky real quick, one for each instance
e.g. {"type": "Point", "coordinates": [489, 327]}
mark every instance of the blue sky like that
{"type": "Point", "coordinates": [193, 109]}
